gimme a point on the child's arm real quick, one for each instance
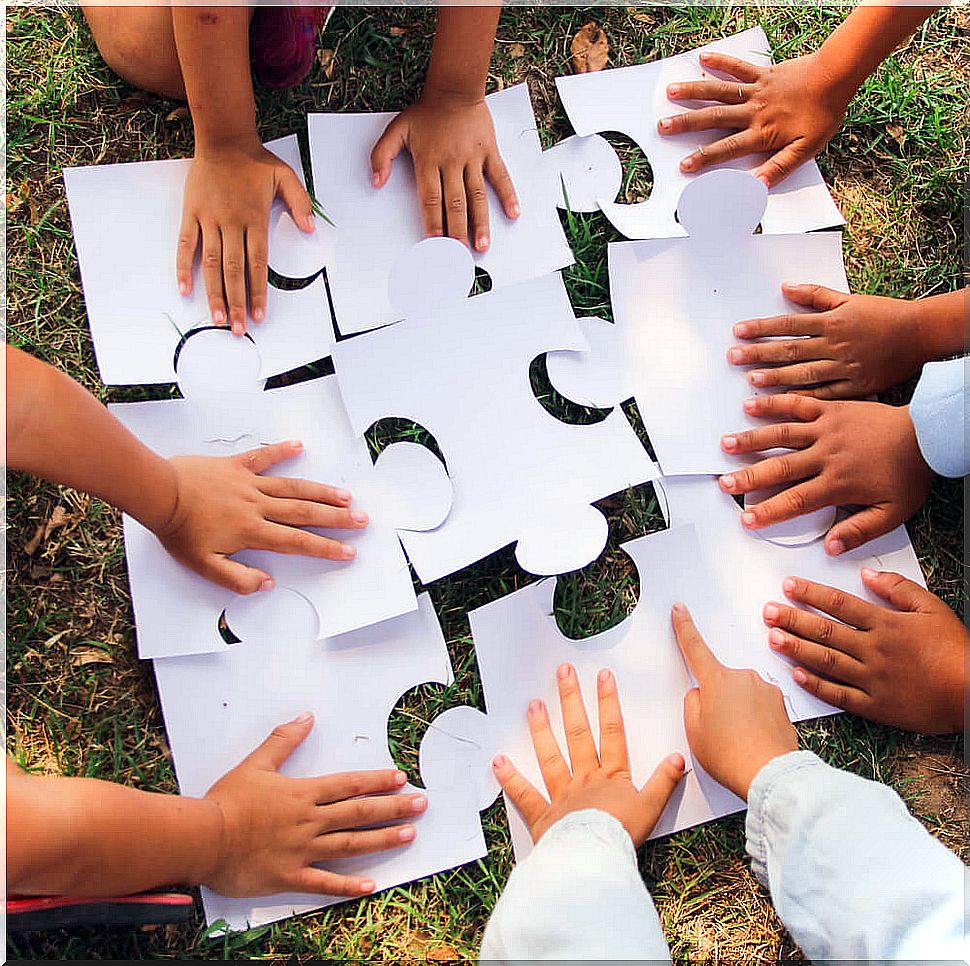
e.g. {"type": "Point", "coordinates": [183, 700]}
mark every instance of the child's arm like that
{"type": "Point", "coordinates": [791, 109]}
{"type": "Point", "coordinates": [852, 875]}
{"type": "Point", "coordinates": [255, 832]}
{"type": "Point", "coordinates": [233, 179]}
{"type": "Point", "coordinates": [579, 894]}
{"type": "Point", "coordinates": [449, 132]}
{"type": "Point", "coordinates": [202, 509]}
{"type": "Point", "coordinates": [850, 346]}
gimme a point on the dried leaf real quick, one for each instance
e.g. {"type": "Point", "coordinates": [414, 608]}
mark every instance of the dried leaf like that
{"type": "Point", "coordinates": [896, 132]}
{"type": "Point", "coordinates": [178, 114]}
{"type": "Point", "coordinates": [442, 954]}
{"type": "Point", "coordinates": [645, 19]}
{"type": "Point", "coordinates": [57, 519]}
{"type": "Point", "coordinates": [590, 49]}
{"type": "Point", "coordinates": [82, 656]}
{"type": "Point", "coordinates": [326, 59]}
{"type": "Point", "coordinates": [399, 31]}
{"type": "Point", "coordinates": [516, 50]}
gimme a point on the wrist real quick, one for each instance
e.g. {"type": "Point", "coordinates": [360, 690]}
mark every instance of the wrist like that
{"type": "Point", "coordinates": [227, 142]}
{"type": "Point", "coordinates": [756, 765]}
{"type": "Point", "coordinates": [452, 95]}
{"type": "Point", "coordinates": [208, 829]}
{"type": "Point", "coordinates": [160, 499]}
{"type": "Point", "coordinates": [939, 325]}
{"type": "Point", "coordinates": [840, 73]}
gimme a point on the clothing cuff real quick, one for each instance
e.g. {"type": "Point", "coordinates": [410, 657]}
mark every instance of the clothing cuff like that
{"type": "Point", "coordinates": [938, 412]}
{"type": "Point", "coordinates": [592, 821]}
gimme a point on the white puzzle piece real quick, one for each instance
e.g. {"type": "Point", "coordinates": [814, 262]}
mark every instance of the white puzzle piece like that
{"type": "Point", "coordinates": [631, 100]}
{"type": "Point", "coordinates": [374, 228]}
{"type": "Point", "coordinates": [746, 572]}
{"type": "Point", "coordinates": [219, 707]}
{"type": "Point", "coordinates": [675, 302]}
{"type": "Point", "coordinates": [519, 647]}
{"type": "Point", "coordinates": [177, 611]}
{"type": "Point", "coordinates": [126, 220]}
{"type": "Point", "coordinates": [460, 368]}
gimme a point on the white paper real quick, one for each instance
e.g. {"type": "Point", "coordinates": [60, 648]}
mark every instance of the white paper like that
{"type": "Point", "coordinates": [519, 647]}
{"type": "Point", "coordinates": [375, 227]}
{"type": "Point", "coordinates": [675, 302]}
{"type": "Point", "coordinates": [177, 611]}
{"type": "Point", "coordinates": [631, 100]}
{"type": "Point", "coordinates": [126, 220]}
{"type": "Point", "coordinates": [461, 370]}
{"type": "Point", "coordinates": [220, 707]}
{"type": "Point", "coordinates": [581, 171]}
{"type": "Point", "coordinates": [746, 572]}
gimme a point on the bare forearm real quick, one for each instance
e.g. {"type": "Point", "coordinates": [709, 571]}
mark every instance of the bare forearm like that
{"type": "Point", "coordinates": [941, 323]}
{"type": "Point", "coordinates": [59, 431]}
{"type": "Point", "coordinates": [462, 50]}
{"type": "Point", "coordinates": [213, 50]}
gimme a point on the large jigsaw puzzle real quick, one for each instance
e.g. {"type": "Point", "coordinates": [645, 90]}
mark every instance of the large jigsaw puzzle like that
{"type": "Point", "coordinates": [459, 367]}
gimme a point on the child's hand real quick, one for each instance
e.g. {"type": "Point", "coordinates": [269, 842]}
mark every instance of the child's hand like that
{"type": "Point", "coordinates": [228, 194]}
{"type": "Point", "coordinates": [223, 506]}
{"type": "Point", "coordinates": [274, 829]}
{"type": "Point", "coordinates": [858, 345]}
{"type": "Point", "coordinates": [736, 722]}
{"type": "Point", "coordinates": [902, 667]}
{"type": "Point", "coordinates": [789, 110]}
{"type": "Point", "coordinates": [843, 453]}
{"type": "Point", "coordinates": [591, 780]}
{"type": "Point", "coordinates": [452, 143]}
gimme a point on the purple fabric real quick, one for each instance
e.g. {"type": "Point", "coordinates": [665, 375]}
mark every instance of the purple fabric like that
{"type": "Point", "coordinates": [283, 42]}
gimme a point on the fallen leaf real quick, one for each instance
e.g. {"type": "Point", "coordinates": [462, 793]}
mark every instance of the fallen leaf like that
{"type": "Point", "coordinates": [644, 18]}
{"type": "Point", "coordinates": [442, 954]}
{"type": "Point", "coordinates": [57, 519]}
{"type": "Point", "coordinates": [399, 31]}
{"type": "Point", "coordinates": [326, 58]}
{"type": "Point", "coordinates": [82, 656]}
{"type": "Point", "coordinates": [896, 132]}
{"type": "Point", "coordinates": [590, 49]}
{"type": "Point", "coordinates": [516, 50]}
{"type": "Point", "coordinates": [178, 114]}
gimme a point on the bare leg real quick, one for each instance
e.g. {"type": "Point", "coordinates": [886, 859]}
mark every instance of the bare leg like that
{"type": "Point", "coordinates": [138, 44]}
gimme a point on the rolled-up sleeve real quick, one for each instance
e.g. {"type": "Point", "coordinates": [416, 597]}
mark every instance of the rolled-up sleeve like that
{"type": "Point", "coordinates": [939, 413]}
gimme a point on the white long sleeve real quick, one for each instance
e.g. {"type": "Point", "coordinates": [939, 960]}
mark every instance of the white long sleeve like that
{"type": "Point", "coordinates": [577, 896]}
{"type": "Point", "coordinates": [852, 874]}
{"type": "Point", "coordinates": [939, 413]}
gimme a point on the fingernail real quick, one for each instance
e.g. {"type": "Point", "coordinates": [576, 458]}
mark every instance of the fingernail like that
{"type": "Point", "coordinates": [219, 317]}
{"type": "Point", "coordinates": [771, 613]}
{"type": "Point", "coordinates": [788, 585]}
{"type": "Point", "coordinates": [400, 778]}
{"type": "Point", "coordinates": [343, 495]}
{"type": "Point", "coordinates": [375, 179]}
{"type": "Point", "coordinates": [677, 760]}
{"type": "Point", "coordinates": [303, 718]}
{"type": "Point", "coordinates": [735, 356]}
{"type": "Point", "coordinates": [367, 885]}
{"type": "Point", "coordinates": [688, 164]}
{"type": "Point", "coordinates": [750, 405]}
{"type": "Point", "coordinates": [294, 444]}
{"type": "Point", "coordinates": [665, 122]}
{"type": "Point", "coordinates": [729, 443]}
{"type": "Point", "coordinates": [679, 608]}
{"type": "Point", "coordinates": [728, 481]}
{"type": "Point", "coordinates": [605, 676]}
{"type": "Point", "coordinates": [406, 834]}
{"type": "Point", "coordinates": [776, 638]}
{"type": "Point", "coordinates": [238, 328]}
{"type": "Point", "coordinates": [705, 57]}
{"type": "Point", "coordinates": [516, 210]}
{"type": "Point", "coordinates": [673, 90]}
{"type": "Point", "coordinates": [835, 547]}
{"type": "Point", "coordinates": [183, 288]}
{"type": "Point", "coordinates": [869, 573]}
{"type": "Point", "coordinates": [764, 180]}
{"type": "Point", "coordinates": [418, 803]}
{"type": "Point", "coordinates": [748, 519]}
{"type": "Point", "coordinates": [347, 551]}
{"type": "Point", "coordinates": [564, 671]}
{"type": "Point", "coordinates": [499, 761]}
{"type": "Point", "coordinates": [757, 378]}
{"type": "Point", "coordinates": [359, 517]}
{"type": "Point", "coordinates": [800, 676]}
{"type": "Point", "coordinates": [741, 330]}
{"type": "Point", "coordinates": [535, 707]}
{"type": "Point", "coordinates": [481, 243]}
{"type": "Point", "coordinates": [267, 584]}
{"type": "Point", "coordinates": [258, 314]}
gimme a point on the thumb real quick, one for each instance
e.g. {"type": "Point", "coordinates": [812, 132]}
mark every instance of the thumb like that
{"type": "Point", "coordinates": [290, 190]}
{"type": "Point", "coordinates": [692, 714]}
{"type": "Point", "coordinates": [236, 576]}
{"type": "Point", "coordinates": [817, 297]}
{"type": "Point", "coordinates": [860, 528]}
{"type": "Point", "coordinates": [388, 147]}
{"type": "Point", "coordinates": [657, 791]}
{"type": "Point", "coordinates": [903, 594]}
{"type": "Point", "coordinates": [782, 163]}
{"type": "Point", "coordinates": [284, 740]}
{"type": "Point", "coordinates": [263, 457]}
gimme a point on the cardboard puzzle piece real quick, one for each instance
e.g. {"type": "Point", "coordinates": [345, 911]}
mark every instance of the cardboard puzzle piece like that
{"type": "Point", "coordinates": [519, 646]}
{"type": "Point", "coordinates": [675, 302]}
{"type": "Point", "coordinates": [631, 100]}
{"type": "Point", "coordinates": [745, 572]}
{"type": "Point", "coordinates": [126, 220]}
{"type": "Point", "coordinates": [374, 228]}
{"type": "Point", "coordinates": [459, 367]}
{"type": "Point", "coordinates": [226, 411]}
{"type": "Point", "coordinates": [219, 707]}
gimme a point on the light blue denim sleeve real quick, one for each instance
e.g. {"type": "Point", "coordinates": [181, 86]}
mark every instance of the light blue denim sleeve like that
{"type": "Point", "coordinates": [939, 413]}
{"type": "Point", "coordinates": [577, 896]}
{"type": "Point", "coordinates": [852, 874]}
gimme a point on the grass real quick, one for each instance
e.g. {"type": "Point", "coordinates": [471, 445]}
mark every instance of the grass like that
{"type": "Point", "coordinates": [79, 703]}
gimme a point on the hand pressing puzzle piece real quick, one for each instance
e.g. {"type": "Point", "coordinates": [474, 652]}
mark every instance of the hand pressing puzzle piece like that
{"type": "Point", "coordinates": [126, 221]}
{"type": "Point", "coordinates": [375, 228]}
{"type": "Point", "coordinates": [631, 100]}
{"type": "Point", "coordinates": [460, 368]}
{"type": "Point", "coordinates": [218, 707]}
{"type": "Point", "coordinates": [226, 411]}
{"type": "Point", "coordinates": [675, 302]}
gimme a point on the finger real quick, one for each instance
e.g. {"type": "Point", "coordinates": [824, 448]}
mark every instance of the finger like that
{"type": "Point", "coordinates": [257, 270]}
{"type": "Point", "coordinates": [290, 190]}
{"type": "Point", "coordinates": [263, 457]}
{"type": "Point", "coordinates": [234, 272]}
{"type": "Point", "coordinates": [708, 90]}
{"type": "Point", "coordinates": [552, 765]}
{"type": "Point", "coordinates": [185, 253]}
{"type": "Point", "coordinates": [428, 179]}
{"type": "Point", "coordinates": [716, 118]}
{"type": "Point", "coordinates": [501, 182]}
{"type": "Point", "coordinates": [290, 488]}
{"type": "Point", "coordinates": [583, 757]}
{"type": "Point", "coordinates": [804, 374]}
{"type": "Point", "coordinates": [306, 513]}
{"type": "Point", "coordinates": [284, 740]}
{"type": "Point", "coordinates": [786, 468]}
{"type": "Point", "coordinates": [521, 792]}
{"type": "Point", "coordinates": [236, 576]}
{"type": "Point", "coordinates": [657, 791]}
{"type": "Point", "coordinates": [777, 352]}
{"type": "Point", "coordinates": [725, 64]}
{"type": "Point", "coordinates": [477, 207]}
{"type": "Point", "coordinates": [793, 502]}
{"type": "Point", "coordinates": [340, 845]}
{"type": "Point", "coordinates": [726, 149]}
{"type": "Point", "coordinates": [352, 784]}
{"type": "Point", "coordinates": [363, 812]}
{"type": "Point", "coordinates": [784, 406]}
{"type": "Point", "coordinates": [800, 323]}
{"type": "Point", "coordinates": [389, 146]}
{"type": "Point", "coordinates": [455, 204]}
{"type": "Point", "coordinates": [782, 163]}
{"type": "Point", "coordinates": [697, 655]}
{"type": "Point", "coordinates": [834, 664]}
{"type": "Point", "coordinates": [614, 754]}
{"type": "Point", "coordinates": [830, 600]}
{"type": "Point", "coordinates": [212, 272]}
{"type": "Point", "coordinates": [321, 882]}
{"type": "Point", "coordinates": [860, 528]}
{"type": "Point", "coordinates": [692, 713]}
{"type": "Point", "coordinates": [775, 436]}
{"type": "Point", "coordinates": [817, 297]}
{"type": "Point", "coordinates": [836, 693]}
{"type": "Point", "coordinates": [284, 539]}
{"type": "Point", "coordinates": [811, 627]}
{"type": "Point", "coordinates": [903, 594]}
{"type": "Point", "coordinates": [840, 389]}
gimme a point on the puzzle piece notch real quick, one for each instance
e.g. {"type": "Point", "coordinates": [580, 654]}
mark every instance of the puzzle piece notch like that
{"type": "Point", "coordinates": [416, 491]}
{"type": "Point", "coordinates": [798, 532]}
{"type": "Point", "coordinates": [298, 255]}
{"type": "Point", "coordinates": [597, 376]}
{"type": "Point", "coordinates": [430, 276]}
{"type": "Point", "coordinates": [581, 171]}
{"type": "Point", "coordinates": [722, 204]}
{"type": "Point", "coordinates": [560, 540]}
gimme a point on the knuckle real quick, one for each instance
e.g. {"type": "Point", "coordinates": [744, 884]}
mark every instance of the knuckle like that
{"type": "Point", "coordinates": [840, 696]}
{"type": "Point", "coordinates": [784, 434]}
{"type": "Point", "coordinates": [549, 759]}
{"type": "Point", "coordinates": [785, 472]}
{"type": "Point", "coordinates": [830, 661]}
{"type": "Point", "coordinates": [732, 145]}
{"type": "Point", "coordinates": [432, 201]}
{"type": "Point", "coordinates": [789, 324]}
{"type": "Point", "coordinates": [837, 600]}
{"type": "Point", "coordinates": [211, 260]}
{"type": "Point", "coordinates": [717, 114]}
{"type": "Point", "coordinates": [791, 350]}
{"type": "Point", "coordinates": [478, 195]}
{"type": "Point", "coordinates": [456, 204]}
{"type": "Point", "coordinates": [824, 631]}
{"type": "Point", "coordinates": [795, 502]}
{"type": "Point", "coordinates": [575, 731]}
{"type": "Point", "coordinates": [234, 265]}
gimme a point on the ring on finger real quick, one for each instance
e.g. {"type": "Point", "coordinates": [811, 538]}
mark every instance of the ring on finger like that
{"type": "Point", "coordinates": [701, 150]}
{"type": "Point", "coordinates": [740, 94]}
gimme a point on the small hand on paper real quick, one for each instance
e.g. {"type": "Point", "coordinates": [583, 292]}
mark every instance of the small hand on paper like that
{"type": "Point", "coordinates": [735, 721]}
{"type": "Point", "coordinates": [843, 453]}
{"type": "Point", "coordinates": [223, 505]}
{"type": "Point", "coordinates": [451, 139]}
{"type": "Point", "coordinates": [901, 665]}
{"type": "Point", "coordinates": [592, 779]}
{"type": "Point", "coordinates": [273, 828]}
{"type": "Point", "coordinates": [225, 211]}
